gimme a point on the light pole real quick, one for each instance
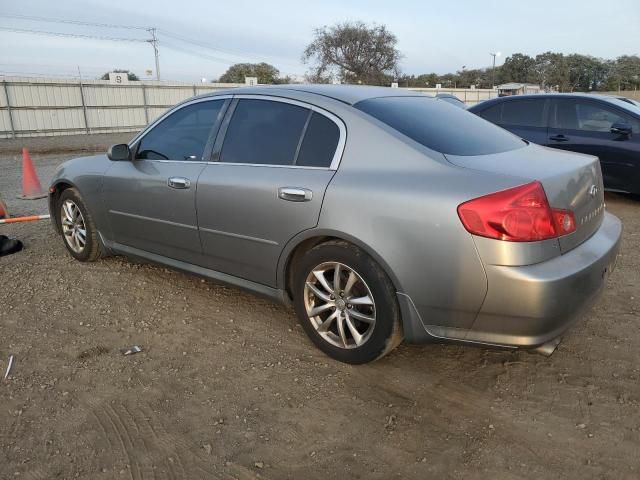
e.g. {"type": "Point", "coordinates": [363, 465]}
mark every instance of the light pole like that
{"type": "Point", "coordinates": [493, 69]}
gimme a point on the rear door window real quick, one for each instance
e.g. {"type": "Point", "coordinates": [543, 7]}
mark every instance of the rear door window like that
{"type": "Point", "coordinates": [264, 132]}
{"type": "Point", "coordinates": [440, 126]}
{"type": "Point", "coordinates": [182, 135]}
{"type": "Point", "coordinates": [523, 113]}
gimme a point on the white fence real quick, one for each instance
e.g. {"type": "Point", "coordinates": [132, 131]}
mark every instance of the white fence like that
{"type": "Point", "coordinates": [31, 107]}
{"type": "Point", "coordinates": [469, 96]}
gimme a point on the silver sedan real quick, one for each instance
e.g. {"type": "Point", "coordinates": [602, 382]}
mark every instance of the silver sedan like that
{"type": "Point", "coordinates": [379, 214]}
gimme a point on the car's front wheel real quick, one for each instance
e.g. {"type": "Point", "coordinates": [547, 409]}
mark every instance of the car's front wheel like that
{"type": "Point", "coordinates": [77, 227]}
{"type": "Point", "coordinates": [346, 303]}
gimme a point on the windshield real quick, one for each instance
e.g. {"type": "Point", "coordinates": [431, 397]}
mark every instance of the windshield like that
{"type": "Point", "coordinates": [440, 126]}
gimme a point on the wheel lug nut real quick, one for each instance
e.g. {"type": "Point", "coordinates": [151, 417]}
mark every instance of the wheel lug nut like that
{"type": "Point", "coordinates": [349, 306]}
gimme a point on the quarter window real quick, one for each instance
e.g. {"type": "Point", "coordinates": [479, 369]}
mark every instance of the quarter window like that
{"type": "Point", "coordinates": [320, 142]}
{"type": "Point", "coordinates": [182, 135]}
{"type": "Point", "coordinates": [264, 132]}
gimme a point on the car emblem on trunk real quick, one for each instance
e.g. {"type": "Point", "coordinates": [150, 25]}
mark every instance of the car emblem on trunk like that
{"type": "Point", "coordinates": [593, 191]}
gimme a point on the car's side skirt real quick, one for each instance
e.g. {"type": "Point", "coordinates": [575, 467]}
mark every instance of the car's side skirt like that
{"type": "Point", "coordinates": [274, 294]}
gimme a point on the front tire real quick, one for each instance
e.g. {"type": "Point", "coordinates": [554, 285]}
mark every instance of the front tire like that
{"type": "Point", "coordinates": [346, 303]}
{"type": "Point", "coordinates": [78, 229]}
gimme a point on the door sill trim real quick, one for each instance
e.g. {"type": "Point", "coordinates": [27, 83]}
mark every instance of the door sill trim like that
{"type": "Point", "coordinates": [274, 294]}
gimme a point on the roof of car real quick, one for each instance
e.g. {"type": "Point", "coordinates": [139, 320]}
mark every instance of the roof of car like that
{"type": "Point", "coordinates": [606, 98]}
{"type": "Point", "coordinates": [350, 94]}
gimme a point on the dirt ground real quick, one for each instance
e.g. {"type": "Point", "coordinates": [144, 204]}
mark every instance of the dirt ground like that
{"type": "Point", "coordinates": [228, 386]}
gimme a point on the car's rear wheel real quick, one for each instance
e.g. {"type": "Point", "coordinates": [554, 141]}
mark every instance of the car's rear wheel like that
{"type": "Point", "coordinates": [346, 303]}
{"type": "Point", "coordinates": [78, 228]}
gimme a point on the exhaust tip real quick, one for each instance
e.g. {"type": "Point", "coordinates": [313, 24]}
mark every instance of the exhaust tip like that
{"type": "Point", "coordinates": [548, 348]}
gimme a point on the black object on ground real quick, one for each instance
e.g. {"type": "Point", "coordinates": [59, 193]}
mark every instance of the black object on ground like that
{"type": "Point", "coordinates": [9, 245]}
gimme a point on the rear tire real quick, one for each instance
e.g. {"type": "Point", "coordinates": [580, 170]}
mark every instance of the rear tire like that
{"type": "Point", "coordinates": [78, 228]}
{"type": "Point", "coordinates": [357, 322]}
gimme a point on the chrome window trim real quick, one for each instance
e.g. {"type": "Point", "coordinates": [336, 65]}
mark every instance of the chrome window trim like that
{"type": "Point", "coordinates": [342, 141]}
{"type": "Point", "coordinates": [335, 161]}
{"type": "Point", "coordinates": [174, 109]}
{"type": "Point", "coordinates": [182, 162]}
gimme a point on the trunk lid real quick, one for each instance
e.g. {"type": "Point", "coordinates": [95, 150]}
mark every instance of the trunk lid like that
{"type": "Point", "coordinates": [571, 181]}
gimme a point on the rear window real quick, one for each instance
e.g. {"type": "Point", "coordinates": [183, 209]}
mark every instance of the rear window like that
{"type": "Point", "coordinates": [440, 126]}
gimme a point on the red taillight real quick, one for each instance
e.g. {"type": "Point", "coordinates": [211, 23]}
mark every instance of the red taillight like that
{"type": "Point", "coordinates": [519, 214]}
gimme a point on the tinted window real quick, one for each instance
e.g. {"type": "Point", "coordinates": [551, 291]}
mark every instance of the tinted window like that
{"type": "Point", "coordinates": [264, 132]}
{"type": "Point", "coordinates": [589, 116]}
{"type": "Point", "coordinates": [523, 113]}
{"type": "Point", "coordinates": [182, 135]}
{"type": "Point", "coordinates": [492, 114]}
{"type": "Point", "coordinates": [320, 142]}
{"type": "Point", "coordinates": [440, 126]}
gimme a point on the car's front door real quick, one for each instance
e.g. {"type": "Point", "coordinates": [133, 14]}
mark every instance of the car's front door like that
{"type": "Point", "coordinates": [274, 160]}
{"type": "Point", "coordinates": [150, 200]}
{"type": "Point", "coordinates": [585, 126]}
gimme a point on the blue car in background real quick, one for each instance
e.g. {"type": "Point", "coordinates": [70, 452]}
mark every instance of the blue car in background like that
{"type": "Point", "coordinates": [599, 125]}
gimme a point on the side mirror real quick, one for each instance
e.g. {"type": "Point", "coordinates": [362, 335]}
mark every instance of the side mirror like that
{"type": "Point", "coordinates": [119, 153]}
{"type": "Point", "coordinates": [621, 128]}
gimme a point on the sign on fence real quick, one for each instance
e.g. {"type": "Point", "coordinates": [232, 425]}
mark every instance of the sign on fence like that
{"type": "Point", "coordinates": [118, 78]}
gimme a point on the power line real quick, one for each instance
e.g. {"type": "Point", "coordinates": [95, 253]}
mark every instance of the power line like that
{"type": "Point", "coordinates": [235, 53]}
{"type": "Point", "coordinates": [153, 40]}
{"type": "Point", "coordinates": [206, 56]}
{"type": "Point", "coordinates": [73, 22]}
{"type": "Point", "coordinates": [72, 35]}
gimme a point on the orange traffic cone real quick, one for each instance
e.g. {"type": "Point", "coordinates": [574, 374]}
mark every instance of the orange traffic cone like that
{"type": "Point", "coordinates": [31, 188]}
{"type": "Point", "coordinates": [4, 211]}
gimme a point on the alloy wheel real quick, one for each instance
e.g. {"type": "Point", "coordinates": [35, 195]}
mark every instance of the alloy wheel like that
{"type": "Point", "coordinates": [339, 305]}
{"type": "Point", "coordinates": [73, 226]}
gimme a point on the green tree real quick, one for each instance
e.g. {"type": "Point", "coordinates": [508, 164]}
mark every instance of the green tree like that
{"type": "Point", "coordinates": [586, 73]}
{"type": "Point", "coordinates": [354, 52]}
{"type": "Point", "coordinates": [517, 68]}
{"type": "Point", "coordinates": [624, 73]}
{"type": "Point", "coordinates": [266, 73]}
{"type": "Point", "coordinates": [130, 75]}
{"type": "Point", "coordinates": [552, 71]}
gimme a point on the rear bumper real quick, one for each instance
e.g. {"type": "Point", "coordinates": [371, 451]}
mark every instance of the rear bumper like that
{"type": "Point", "coordinates": [528, 306]}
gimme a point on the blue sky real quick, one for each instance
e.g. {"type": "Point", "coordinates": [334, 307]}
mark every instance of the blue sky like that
{"type": "Point", "coordinates": [432, 36]}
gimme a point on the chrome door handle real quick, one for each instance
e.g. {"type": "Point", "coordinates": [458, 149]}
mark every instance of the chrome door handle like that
{"type": "Point", "coordinates": [178, 182]}
{"type": "Point", "coordinates": [295, 194]}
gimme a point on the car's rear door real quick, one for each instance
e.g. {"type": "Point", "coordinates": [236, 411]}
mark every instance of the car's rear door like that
{"type": "Point", "coordinates": [584, 126]}
{"type": "Point", "coordinates": [273, 160]}
{"type": "Point", "coordinates": [526, 118]}
{"type": "Point", "coordinates": [150, 201]}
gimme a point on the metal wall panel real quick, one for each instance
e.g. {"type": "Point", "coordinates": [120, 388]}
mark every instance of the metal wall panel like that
{"type": "Point", "coordinates": [5, 125]}
{"type": "Point", "coordinates": [168, 96]}
{"type": "Point", "coordinates": [47, 119]}
{"type": "Point", "coordinates": [42, 95]}
{"type": "Point", "coordinates": [115, 117]}
{"type": "Point", "coordinates": [110, 96]}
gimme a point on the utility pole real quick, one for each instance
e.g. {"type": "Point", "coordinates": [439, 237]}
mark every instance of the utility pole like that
{"type": "Point", "coordinates": [154, 44]}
